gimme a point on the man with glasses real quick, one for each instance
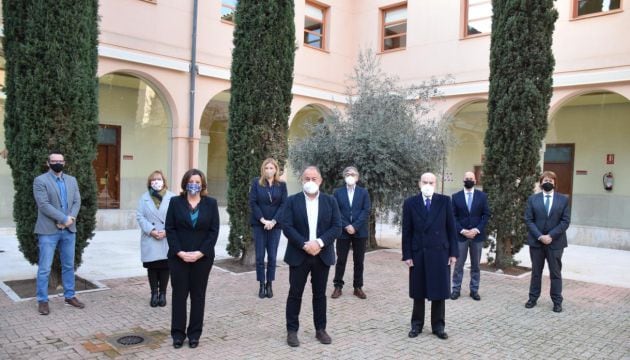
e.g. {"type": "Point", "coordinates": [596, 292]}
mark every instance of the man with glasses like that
{"type": "Point", "coordinates": [58, 202]}
{"type": "Point", "coordinates": [354, 207]}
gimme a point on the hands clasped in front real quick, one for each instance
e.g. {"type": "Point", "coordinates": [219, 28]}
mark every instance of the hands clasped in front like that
{"type": "Point", "coordinates": [190, 256]}
{"type": "Point", "coordinates": [312, 247]}
{"type": "Point", "coordinates": [158, 234]}
{"type": "Point", "coordinates": [545, 239]}
{"type": "Point", "coordinates": [67, 224]}
{"type": "Point", "coordinates": [268, 224]}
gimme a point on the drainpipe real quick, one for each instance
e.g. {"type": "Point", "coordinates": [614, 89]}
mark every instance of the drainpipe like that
{"type": "Point", "coordinates": [193, 75]}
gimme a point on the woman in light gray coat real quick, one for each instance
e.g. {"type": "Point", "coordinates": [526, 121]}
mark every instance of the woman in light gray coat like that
{"type": "Point", "coordinates": [151, 215]}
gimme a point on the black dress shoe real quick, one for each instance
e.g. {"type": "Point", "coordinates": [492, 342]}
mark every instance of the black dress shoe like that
{"type": "Point", "coordinates": [323, 336]}
{"type": "Point", "coordinates": [269, 290]}
{"type": "Point", "coordinates": [178, 343]}
{"type": "Point", "coordinates": [454, 295]}
{"type": "Point", "coordinates": [292, 339]}
{"type": "Point", "coordinates": [154, 299]}
{"type": "Point", "coordinates": [475, 296]}
{"type": "Point", "coordinates": [557, 308]}
{"type": "Point", "coordinates": [193, 343]}
{"type": "Point", "coordinates": [414, 332]}
{"type": "Point", "coordinates": [162, 299]}
{"type": "Point", "coordinates": [530, 304]}
{"type": "Point", "coordinates": [441, 334]}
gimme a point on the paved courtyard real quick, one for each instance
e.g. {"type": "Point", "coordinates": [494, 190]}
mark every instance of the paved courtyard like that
{"type": "Point", "coordinates": [238, 325]}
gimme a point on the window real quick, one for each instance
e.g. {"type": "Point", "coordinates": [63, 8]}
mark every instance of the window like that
{"type": "Point", "coordinates": [315, 26]}
{"type": "Point", "coordinates": [588, 7]}
{"type": "Point", "coordinates": [478, 17]}
{"type": "Point", "coordinates": [394, 32]}
{"type": "Point", "coordinates": [228, 7]}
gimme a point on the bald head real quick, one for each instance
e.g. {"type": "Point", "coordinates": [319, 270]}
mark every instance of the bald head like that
{"type": "Point", "coordinates": [428, 179]}
{"type": "Point", "coordinates": [469, 175]}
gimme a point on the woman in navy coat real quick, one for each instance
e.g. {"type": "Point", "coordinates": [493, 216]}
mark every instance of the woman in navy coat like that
{"type": "Point", "coordinates": [192, 228]}
{"type": "Point", "coordinates": [266, 197]}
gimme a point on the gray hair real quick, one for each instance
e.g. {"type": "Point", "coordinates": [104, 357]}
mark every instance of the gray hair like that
{"type": "Point", "coordinates": [349, 169]}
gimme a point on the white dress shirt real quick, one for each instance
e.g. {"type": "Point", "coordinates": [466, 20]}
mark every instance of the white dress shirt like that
{"type": "Point", "coordinates": [350, 194]}
{"type": "Point", "coordinates": [312, 212]}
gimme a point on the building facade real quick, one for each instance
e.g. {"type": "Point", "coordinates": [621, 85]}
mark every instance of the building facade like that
{"type": "Point", "coordinates": [146, 122]}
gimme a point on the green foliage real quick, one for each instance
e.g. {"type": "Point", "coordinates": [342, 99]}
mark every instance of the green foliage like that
{"type": "Point", "coordinates": [260, 103]}
{"type": "Point", "coordinates": [521, 68]}
{"type": "Point", "coordinates": [51, 86]}
{"type": "Point", "coordinates": [387, 136]}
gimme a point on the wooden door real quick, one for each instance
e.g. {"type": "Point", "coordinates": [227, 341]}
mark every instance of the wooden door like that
{"type": "Point", "coordinates": [559, 159]}
{"type": "Point", "coordinates": [107, 167]}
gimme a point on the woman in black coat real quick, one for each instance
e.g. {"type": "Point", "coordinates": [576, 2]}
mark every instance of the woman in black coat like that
{"type": "Point", "coordinates": [192, 228]}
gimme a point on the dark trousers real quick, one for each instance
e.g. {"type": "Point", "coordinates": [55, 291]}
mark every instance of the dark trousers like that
{"type": "Point", "coordinates": [158, 279]}
{"type": "Point", "coordinates": [298, 275]}
{"type": "Point", "coordinates": [438, 313]}
{"type": "Point", "coordinates": [358, 254]}
{"type": "Point", "coordinates": [266, 241]}
{"type": "Point", "coordinates": [554, 261]}
{"type": "Point", "coordinates": [475, 256]}
{"type": "Point", "coordinates": [188, 278]}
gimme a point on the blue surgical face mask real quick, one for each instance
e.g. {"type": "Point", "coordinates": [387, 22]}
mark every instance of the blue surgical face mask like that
{"type": "Point", "coordinates": [193, 188]}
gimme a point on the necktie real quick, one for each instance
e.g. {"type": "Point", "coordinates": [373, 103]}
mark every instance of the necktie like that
{"type": "Point", "coordinates": [547, 203]}
{"type": "Point", "coordinates": [427, 203]}
{"type": "Point", "coordinates": [468, 200]}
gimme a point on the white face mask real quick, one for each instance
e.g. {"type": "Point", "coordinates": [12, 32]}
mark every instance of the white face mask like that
{"type": "Point", "coordinates": [157, 185]}
{"type": "Point", "coordinates": [310, 187]}
{"type": "Point", "coordinates": [350, 180]}
{"type": "Point", "coordinates": [427, 190]}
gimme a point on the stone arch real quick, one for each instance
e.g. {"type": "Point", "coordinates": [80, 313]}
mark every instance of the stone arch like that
{"type": "Point", "coordinates": [213, 144]}
{"type": "Point", "coordinates": [468, 128]}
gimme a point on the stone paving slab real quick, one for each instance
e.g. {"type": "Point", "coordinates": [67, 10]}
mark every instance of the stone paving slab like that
{"type": "Point", "coordinates": [238, 325]}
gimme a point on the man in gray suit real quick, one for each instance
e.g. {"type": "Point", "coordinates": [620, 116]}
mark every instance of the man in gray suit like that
{"type": "Point", "coordinates": [58, 202]}
{"type": "Point", "coordinates": [547, 217]}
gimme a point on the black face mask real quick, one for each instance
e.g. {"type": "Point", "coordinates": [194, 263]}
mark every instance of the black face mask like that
{"type": "Point", "coordinates": [56, 167]}
{"type": "Point", "coordinates": [468, 184]}
{"type": "Point", "coordinates": [547, 186]}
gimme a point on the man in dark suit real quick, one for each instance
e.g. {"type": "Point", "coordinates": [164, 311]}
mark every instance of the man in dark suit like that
{"type": "Point", "coordinates": [547, 217]}
{"type": "Point", "coordinates": [354, 207]}
{"type": "Point", "coordinates": [58, 203]}
{"type": "Point", "coordinates": [471, 211]}
{"type": "Point", "coordinates": [311, 222]}
{"type": "Point", "coordinates": [429, 247]}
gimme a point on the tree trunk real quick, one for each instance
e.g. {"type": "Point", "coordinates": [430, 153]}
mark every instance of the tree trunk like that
{"type": "Point", "coordinates": [248, 258]}
{"type": "Point", "coordinates": [504, 252]}
{"type": "Point", "coordinates": [54, 280]}
{"type": "Point", "coordinates": [372, 244]}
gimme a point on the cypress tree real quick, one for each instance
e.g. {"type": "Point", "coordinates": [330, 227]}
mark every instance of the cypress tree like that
{"type": "Point", "coordinates": [51, 87]}
{"type": "Point", "coordinates": [521, 69]}
{"type": "Point", "coordinates": [260, 104]}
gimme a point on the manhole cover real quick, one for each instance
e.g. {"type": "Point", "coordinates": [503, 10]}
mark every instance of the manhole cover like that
{"type": "Point", "coordinates": [130, 340]}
